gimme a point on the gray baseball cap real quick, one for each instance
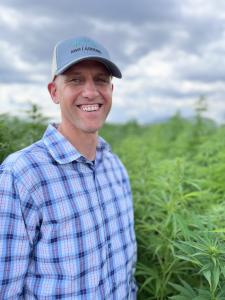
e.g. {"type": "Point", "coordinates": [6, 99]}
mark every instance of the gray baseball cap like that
{"type": "Point", "coordinates": [71, 51]}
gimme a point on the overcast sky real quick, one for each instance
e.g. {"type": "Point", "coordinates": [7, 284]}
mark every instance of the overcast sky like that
{"type": "Point", "coordinates": [170, 52]}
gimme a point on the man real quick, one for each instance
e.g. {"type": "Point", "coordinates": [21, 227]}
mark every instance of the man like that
{"type": "Point", "coordinates": [66, 229]}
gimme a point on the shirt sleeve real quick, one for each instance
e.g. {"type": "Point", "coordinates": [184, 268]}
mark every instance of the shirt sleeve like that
{"type": "Point", "coordinates": [15, 245]}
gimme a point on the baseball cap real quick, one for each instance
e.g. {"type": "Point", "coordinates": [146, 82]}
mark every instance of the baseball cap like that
{"type": "Point", "coordinates": [71, 51]}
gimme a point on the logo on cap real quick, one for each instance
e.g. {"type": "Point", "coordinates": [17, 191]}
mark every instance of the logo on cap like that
{"type": "Point", "coordinates": [86, 48]}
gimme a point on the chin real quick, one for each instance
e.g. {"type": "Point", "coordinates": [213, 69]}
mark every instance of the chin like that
{"type": "Point", "coordinates": [92, 130]}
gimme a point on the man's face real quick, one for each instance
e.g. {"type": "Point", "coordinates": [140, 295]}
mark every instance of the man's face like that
{"type": "Point", "coordinates": [84, 93]}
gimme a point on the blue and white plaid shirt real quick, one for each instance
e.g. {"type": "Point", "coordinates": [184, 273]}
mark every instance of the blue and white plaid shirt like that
{"type": "Point", "coordinates": [66, 224]}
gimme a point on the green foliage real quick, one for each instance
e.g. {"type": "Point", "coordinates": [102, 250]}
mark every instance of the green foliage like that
{"type": "Point", "coordinates": [177, 173]}
{"type": "Point", "coordinates": [16, 134]}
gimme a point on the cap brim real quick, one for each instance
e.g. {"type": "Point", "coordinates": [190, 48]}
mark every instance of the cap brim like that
{"type": "Point", "coordinates": [112, 68]}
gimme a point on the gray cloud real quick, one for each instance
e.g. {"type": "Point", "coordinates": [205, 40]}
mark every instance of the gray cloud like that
{"type": "Point", "coordinates": [131, 11]}
{"type": "Point", "coordinates": [70, 18]}
{"type": "Point", "coordinates": [149, 25]}
{"type": "Point", "coordinates": [187, 35]}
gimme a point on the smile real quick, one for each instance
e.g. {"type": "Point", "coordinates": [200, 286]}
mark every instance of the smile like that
{"type": "Point", "coordinates": [90, 107]}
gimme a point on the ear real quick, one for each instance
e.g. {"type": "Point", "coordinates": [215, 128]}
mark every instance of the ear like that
{"type": "Point", "coordinates": [52, 89]}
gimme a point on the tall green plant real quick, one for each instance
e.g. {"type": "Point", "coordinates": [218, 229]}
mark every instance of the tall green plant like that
{"type": "Point", "coordinates": [206, 254]}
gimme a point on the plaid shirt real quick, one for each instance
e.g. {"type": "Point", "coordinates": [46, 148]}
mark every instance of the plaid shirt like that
{"type": "Point", "coordinates": [66, 224]}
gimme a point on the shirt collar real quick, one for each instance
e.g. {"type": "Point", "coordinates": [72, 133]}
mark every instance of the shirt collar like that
{"type": "Point", "coordinates": [62, 150]}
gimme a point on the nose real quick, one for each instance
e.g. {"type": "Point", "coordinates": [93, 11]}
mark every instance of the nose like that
{"type": "Point", "coordinates": [90, 90]}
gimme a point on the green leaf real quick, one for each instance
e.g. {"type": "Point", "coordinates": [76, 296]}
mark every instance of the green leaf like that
{"type": "Point", "coordinates": [215, 278]}
{"type": "Point", "coordinates": [207, 275]}
{"type": "Point", "coordinates": [185, 290]}
{"type": "Point", "coordinates": [179, 297]}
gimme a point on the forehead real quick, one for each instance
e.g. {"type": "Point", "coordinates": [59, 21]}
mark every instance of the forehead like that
{"type": "Point", "coordinates": [88, 65]}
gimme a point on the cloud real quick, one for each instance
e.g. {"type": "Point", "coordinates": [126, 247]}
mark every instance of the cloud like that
{"type": "Point", "coordinates": [171, 52]}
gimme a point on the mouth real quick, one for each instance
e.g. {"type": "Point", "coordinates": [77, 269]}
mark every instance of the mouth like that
{"type": "Point", "coordinates": [90, 107]}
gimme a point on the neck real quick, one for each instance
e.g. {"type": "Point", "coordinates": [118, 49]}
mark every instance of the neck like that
{"type": "Point", "coordinates": [85, 143]}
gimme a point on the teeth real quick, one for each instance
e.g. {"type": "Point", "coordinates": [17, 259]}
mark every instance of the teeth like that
{"type": "Point", "coordinates": [89, 107]}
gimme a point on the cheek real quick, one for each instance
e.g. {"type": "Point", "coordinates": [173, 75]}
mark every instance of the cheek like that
{"type": "Point", "coordinates": [67, 99]}
{"type": "Point", "coordinates": [108, 96]}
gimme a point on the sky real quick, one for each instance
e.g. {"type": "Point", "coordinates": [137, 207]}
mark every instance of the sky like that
{"type": "Point", "coordinates": [170, 52]}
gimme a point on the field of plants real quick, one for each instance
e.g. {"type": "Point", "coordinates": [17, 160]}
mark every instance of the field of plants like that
{"type": "Point", "coordinates": [177, 173]}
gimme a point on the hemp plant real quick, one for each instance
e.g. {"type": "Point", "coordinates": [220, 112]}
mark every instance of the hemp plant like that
{"type": "Point", "coordinates": [205, 256]}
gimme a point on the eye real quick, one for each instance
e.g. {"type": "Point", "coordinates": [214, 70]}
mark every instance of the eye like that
{"type": "Point", "coordinates": [102, 80]}
{"type": "Point", "coordinates": [76, 80]}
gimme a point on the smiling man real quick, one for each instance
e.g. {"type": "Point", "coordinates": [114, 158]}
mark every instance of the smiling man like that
{"type": "Point", "coordinates": [67, 228]}
{"type": "Point", "coordinates": [84, 93]}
